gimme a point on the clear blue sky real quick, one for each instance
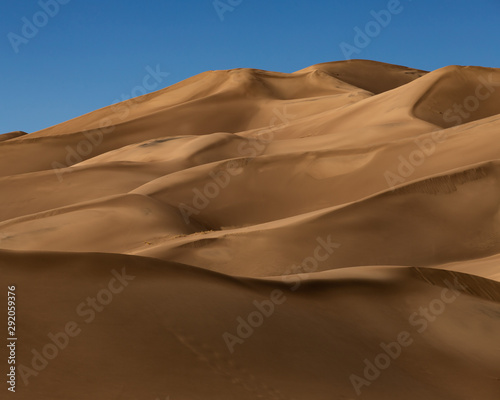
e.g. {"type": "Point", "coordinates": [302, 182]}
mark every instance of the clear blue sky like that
{"type": "Point", "coordinates": [91, 52]}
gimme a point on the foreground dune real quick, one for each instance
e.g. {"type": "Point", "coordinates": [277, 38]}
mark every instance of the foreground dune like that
{"type": "Point", "coordinates": [164, 332]}
{"type": "Point", "coordinates": [254, 234]}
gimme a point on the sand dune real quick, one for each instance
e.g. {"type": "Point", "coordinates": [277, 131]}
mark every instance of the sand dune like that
{"type": "Point", "coordinates": [11, 135]}
{"type": "Point", "coordinates": [334, 203]}
{"type": "Point", "coordinates": [312, 343]}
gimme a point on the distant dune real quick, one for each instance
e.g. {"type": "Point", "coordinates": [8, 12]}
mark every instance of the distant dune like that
{"type": "Point", "coordinates": [352, 208]}
{"type": "Point", "coordinates": [11, 135]}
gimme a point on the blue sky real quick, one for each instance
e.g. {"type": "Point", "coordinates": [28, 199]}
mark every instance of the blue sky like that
{"type": "Point", "coordinates": [90, 53]}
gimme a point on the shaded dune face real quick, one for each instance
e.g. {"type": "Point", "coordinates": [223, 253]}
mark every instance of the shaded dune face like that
{"type": "Point", "coordinates": [11, 135]}
{"type": "Point", "coordinates": [460, 95]}
{"type": "Point", "coordinates": [351, 208]}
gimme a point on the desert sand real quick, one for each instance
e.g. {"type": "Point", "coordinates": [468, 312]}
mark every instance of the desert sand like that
{"type": "Point", "coordinates": [332, 233]}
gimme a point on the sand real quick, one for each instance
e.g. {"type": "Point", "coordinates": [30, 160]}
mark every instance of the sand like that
{"type": "Point", "coordinates": [331, 233]}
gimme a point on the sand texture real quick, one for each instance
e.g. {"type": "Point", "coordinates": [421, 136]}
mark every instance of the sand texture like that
{"type": "Point", "coordinates": [332, 233]}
